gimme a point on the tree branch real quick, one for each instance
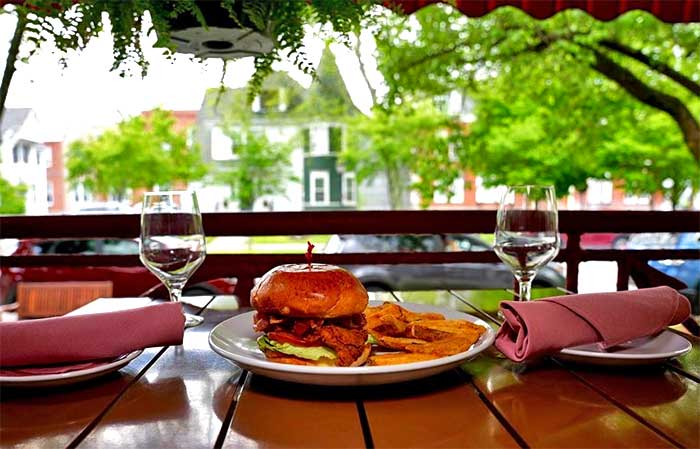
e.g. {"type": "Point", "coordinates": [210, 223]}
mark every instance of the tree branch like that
{"type": "Point", "coordinates": [363, 70]}
{"type": "Point", "coordinates": [660, 67]}
{"type": "Point", "coordinates": [10, 62]}
{"type": "Point", "coordinates": [655, 98]}
{"type": "Point", "coordinates": [422, 60]}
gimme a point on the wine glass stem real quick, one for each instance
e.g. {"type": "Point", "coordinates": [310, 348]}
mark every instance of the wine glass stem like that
{"type": "Point", "coordinates": [525, 286]}
{"type": "Point", "coordinates": [175, 291]}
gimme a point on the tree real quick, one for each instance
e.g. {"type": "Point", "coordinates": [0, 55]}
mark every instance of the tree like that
{"type": "Point", "coordinates": [261, 168]}
{"type": "Point", "coordinates": [140, 153]}
{"type": "Point", "coordinates": [651, 159]}
{"type": "Point", "coordinates": [11, 198]}
{"type": "Point", "coordinates": [651, 62]}
{"type": "Point", "coordinates": [410, 138]}
{"type": "Point", "coordinates": [546, 134]}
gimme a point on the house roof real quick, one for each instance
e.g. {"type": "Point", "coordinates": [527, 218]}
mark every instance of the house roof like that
{"type": "Point", "coordinates": [326, 98]}
{"type": "Point", "coordinates": [13, 118]}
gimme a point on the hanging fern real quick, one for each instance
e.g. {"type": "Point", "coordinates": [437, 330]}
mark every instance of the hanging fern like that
{"type": "Point", "coordinates": [71, 25]}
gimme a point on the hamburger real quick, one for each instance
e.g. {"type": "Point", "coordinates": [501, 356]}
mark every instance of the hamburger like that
{"type": "Point", "coordinates": [311, 314]}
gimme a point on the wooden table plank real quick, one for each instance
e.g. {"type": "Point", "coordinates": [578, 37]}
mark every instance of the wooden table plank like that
{"type": "Point", "coordinates": [53, 417]}
{"type": "Point", "coordinates": [549, 407]}
{"type": "Point", "coordinates": [664, 399]}
{"type": "Point", "coordinates": [441, 411]}
{"type": "Point", "coordinates": [272, 413]}
{"type": "Point", "coordinates": [180, 402]}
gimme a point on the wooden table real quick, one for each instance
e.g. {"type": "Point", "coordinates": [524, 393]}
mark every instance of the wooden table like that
{"type": "Point", "coordinates": [188, 396]}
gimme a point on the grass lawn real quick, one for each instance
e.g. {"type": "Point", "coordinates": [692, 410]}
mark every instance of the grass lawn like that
{"type": "Point", "coordinates": [318, 240]}
{"type": "Point", "coordinates": [274, 244]}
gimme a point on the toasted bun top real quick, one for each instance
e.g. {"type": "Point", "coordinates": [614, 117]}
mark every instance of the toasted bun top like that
{"type": "Point", "coordinates": [323, 291]}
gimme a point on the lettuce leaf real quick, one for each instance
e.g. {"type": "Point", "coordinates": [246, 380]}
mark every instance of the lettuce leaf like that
{"type": "Point", "coordinates": [304, 352]}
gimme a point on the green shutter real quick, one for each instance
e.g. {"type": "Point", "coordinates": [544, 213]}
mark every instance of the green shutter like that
{"type": "Point", "coordinates": [335, 142]}
{"type": "Point", "coordinates": [306, 140]}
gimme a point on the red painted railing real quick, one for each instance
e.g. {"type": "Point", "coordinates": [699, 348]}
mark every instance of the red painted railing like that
{"type": "Point", "coordinates": [246, 267]}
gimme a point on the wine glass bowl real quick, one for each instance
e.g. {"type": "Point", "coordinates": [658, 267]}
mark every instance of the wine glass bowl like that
{"type": "Point", "coordinates": [172, 244]}
{"type": "Point", "coordinates": [527, 236]}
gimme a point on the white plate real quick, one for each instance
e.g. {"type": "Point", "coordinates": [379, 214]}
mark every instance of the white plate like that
{"type": "Point", "coordinates": [235, 340]}
{"type": "Point", "coordinates": [52, 380]}
{"type": "Point", "coordinates": [641, 351]}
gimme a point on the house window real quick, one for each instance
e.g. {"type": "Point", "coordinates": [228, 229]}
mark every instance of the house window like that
{"type": "Point", "coordinates": [349, 189]}
{"type": "Point", "coordinates": [636, 200]}
{"type": "Point", "coordinates": [256, 107]}
{"type": "Point", "coordinates": [319, 139]}
{"type": "Point", "coordinates": [320, 187]}
{"type": "Point", "coordinates": [49, 193]}
{"type": "Point", "coordinates": [221, 145]}
{"type": "Point", "coordinates": [20, 153]}
{"type": "Point", "coordinates": [599, 192]}
{"type": "Point", "coordinates": [81, 194]}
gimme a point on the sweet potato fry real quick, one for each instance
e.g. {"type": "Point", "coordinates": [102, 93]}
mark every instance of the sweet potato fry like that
{"type": "Point", "coordinates": [388, 325]}
{"type": "Point", "coordinates": [432, 330]}
{"type": "Point", "coordinates": [444, 347]}
{"type": "Point", "coordinates": [385, 341]}
{"type": "Point", "coordinates": [415, 316]}
{"type": "Point", "coordinates": [396, 358]}
{"type": "Point", "coordinates": [387, 308]}
{"type": "Point", "coordinates": [417, 336]}
{"type": "Point", "coordinates": [395, 310]}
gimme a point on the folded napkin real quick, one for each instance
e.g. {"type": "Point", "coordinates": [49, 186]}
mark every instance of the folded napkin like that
{"type": "Point", "coordinates": [536, 328]}
{"type": "Point", "coordinates": [45, 345]}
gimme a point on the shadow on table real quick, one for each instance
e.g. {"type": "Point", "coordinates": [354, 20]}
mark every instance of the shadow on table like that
{"type": "Point", "coordinates": [440, 382]}
{"type": "Point", "coordinates": [315, 393]}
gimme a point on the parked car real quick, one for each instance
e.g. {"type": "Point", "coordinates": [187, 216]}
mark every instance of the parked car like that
{"type": "Point", "coordinates": [431, 276]}
{"type": "Point", "coordinates": [600, 240]}
{"type": "Point", "coordinates": [126, 281]}
{"type": "Point", "coordinates": [687, 271]}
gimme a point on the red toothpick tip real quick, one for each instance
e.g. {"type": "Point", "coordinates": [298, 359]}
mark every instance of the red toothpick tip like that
{"type": "Point", "coordinates": [309, 248]}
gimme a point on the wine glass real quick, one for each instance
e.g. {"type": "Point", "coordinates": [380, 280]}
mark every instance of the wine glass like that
{"type": "Point", "coordinates": [527, 236]}
{"type": "Point", "coordinates": [172, 241]}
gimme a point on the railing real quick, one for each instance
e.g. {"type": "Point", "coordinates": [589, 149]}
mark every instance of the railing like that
{"type": "Point", "coordinates": [246, 267]}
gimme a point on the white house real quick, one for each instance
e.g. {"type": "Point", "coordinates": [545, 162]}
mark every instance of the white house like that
{"type": "Point", "coordinates": [23, 158]}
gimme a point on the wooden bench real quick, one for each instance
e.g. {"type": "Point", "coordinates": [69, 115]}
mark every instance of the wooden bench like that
{"type": "Point", "coordinates": [45, 299]}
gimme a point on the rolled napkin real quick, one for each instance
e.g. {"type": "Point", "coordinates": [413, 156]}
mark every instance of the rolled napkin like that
{"type": "Point", "coordinates": [536, 328]}
{"type": "Point", "coordinates": [45, 343]}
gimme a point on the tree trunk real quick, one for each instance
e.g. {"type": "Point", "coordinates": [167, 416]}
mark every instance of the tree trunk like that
{"type": "Point", "coordinates": [689, 125]}
{"type": "Point", "coordinates": [10, 62]}
{"type": "Point", "coordinates": [393, 181]}
{"type": "Point", "coordinates": [246, 204]}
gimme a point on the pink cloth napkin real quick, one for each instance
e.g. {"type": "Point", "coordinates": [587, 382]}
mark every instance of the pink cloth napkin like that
{"type": "Point", "coordinates": [66, 343]}
{"type": "Point", "coordinates": [536, 328]}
